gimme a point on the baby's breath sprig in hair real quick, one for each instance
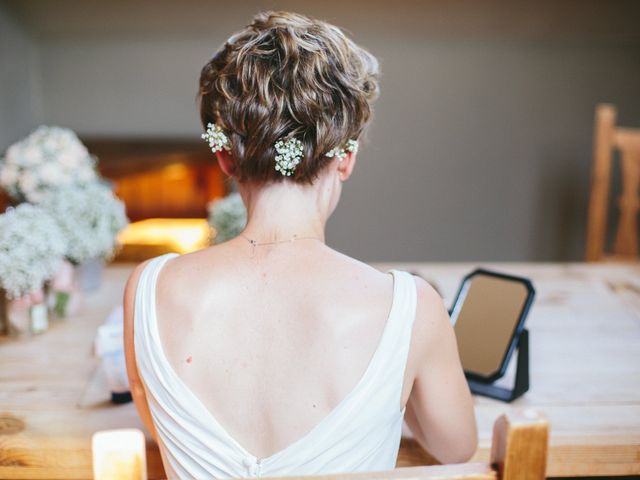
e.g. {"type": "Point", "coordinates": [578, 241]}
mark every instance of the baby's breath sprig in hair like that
{"type": "Point", "coordinates": [352, 146]}
{"type": "Point", "coordinates": [289, 155]}
{"type": "Point", "coordinates": [341, 153]}
{"type": "Point", "coordinates": [216, 138]}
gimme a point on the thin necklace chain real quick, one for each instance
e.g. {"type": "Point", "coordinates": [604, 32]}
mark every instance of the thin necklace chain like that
{"type": "Point", "coordinates": [290, 240]}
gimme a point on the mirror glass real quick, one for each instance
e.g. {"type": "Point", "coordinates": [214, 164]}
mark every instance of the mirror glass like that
{"type": "Point", "coordinates": [485, 316]}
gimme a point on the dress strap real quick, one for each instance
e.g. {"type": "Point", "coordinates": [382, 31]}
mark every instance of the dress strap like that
{"type": "Point", "coordinates": [145, 334]}
{"type": "Point", "coordinates": [401, 325]}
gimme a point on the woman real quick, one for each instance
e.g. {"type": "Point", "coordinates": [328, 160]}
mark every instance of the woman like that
{"type": "Point", "coordinates": [273, 354]}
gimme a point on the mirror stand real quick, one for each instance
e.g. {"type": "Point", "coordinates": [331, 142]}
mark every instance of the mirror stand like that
{"type": "Point", "coordinates": [521, 382]}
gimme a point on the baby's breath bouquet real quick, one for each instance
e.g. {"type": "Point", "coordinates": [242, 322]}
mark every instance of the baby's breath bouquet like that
{"type": "Point", "coordinates": [90, 217]}
{"type": "Point", "coordinates": [31, 250]}
{"type": "Point", "coordinates": [46, 160]}
{"type": "Point", "coordinates": [227, 216]}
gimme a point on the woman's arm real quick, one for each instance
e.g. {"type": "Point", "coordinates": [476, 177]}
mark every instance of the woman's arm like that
{"type": "Point", "coordinates": [135, 384]}
{"type": "Point", "coordinates": [440, 409]}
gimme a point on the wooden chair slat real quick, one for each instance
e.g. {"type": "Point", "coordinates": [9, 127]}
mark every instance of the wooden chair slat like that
{"type": "Point", "coordinates": [608, 138]}
{"type": "Point", "coordinates": [600, 180]}
{"type": "Point", "coordinates": [627, 138]}
{"type": "Point", "coordinates": [519, 445]}
{"type": "Point", "coordinates": [626, 241]}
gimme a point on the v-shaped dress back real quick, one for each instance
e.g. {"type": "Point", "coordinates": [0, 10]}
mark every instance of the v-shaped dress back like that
{"type": "Point", "coordinates": [361, 434]}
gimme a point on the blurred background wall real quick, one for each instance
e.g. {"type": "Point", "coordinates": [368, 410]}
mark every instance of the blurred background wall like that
{"type": "Point", "coordinates": [20, 92]}
{"type": "Point", "coordinates": [480, 148]}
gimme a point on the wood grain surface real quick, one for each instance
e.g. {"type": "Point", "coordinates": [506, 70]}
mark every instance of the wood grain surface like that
{"type": "Point", "coordinates": [585, 376]}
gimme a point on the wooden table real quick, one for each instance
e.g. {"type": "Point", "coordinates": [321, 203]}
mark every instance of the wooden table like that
{"type": "Point", "coordinates": [585, 375]}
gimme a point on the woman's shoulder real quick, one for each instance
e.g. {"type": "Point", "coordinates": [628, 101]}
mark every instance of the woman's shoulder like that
{"type": "Point", "coordinates": [224, 256]}
{"type": "Point", "coordinates": [356, 266]}
{"type": "Point", "coordinates": [181, 273]}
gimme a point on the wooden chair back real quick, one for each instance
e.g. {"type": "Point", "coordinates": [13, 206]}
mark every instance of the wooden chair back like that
{"type": "Point", "coordinates": [518, 451]}
{"type": "Point", "coordinates": [610, 138]}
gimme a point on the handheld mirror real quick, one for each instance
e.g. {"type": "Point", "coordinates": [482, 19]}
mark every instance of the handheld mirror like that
{"type": "Point", "coordinates": [488, 315]}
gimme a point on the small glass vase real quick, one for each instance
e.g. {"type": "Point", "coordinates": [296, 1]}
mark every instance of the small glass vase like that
{"type": "Point", "coordinates": [22, 317]}
{"type": "Point", "coordinates": [89, 274]}
{"type": "Point", "coordinates": [38, 318]}
{"type": "Point", "coordinates": [63, 292]}
{"type": "Point", "coordinates": [59, 303]}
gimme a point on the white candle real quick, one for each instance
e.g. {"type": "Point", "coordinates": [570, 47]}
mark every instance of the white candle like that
{"type": "Point", "coordinates": [119, 455]}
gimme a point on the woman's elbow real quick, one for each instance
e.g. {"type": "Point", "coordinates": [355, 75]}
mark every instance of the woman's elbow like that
{"type": "Point", "coordinates": [470, 444]}
{"type": "Point", "coordinates": [461, 452]}
{"type": "Point", "coordinates": [460, 448]}
{"type": "Point", "coordinates": [468, 450]}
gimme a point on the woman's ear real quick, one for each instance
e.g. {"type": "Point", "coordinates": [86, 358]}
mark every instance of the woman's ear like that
{"type": "Point", "coordinates": [225, 160]}
{"type": "Point", "coordinates": [346, 165]}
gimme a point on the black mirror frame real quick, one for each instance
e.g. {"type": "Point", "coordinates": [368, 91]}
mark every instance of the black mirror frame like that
{"type": "Point", "coordinates": [481, 384]}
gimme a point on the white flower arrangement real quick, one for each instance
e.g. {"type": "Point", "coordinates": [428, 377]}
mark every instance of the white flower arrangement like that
{"type": "Point", "coordinates": [90, 217]}
{"type": "Point", "coordinates": [47, 159]}
{"type": "Point", "coordinates": [227, 216]}
{"type": "Point", "coordinates": [31, 249]}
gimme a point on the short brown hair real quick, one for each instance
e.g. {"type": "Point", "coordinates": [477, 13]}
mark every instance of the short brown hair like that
{"type": "Point", "coordinates": [287, 75]}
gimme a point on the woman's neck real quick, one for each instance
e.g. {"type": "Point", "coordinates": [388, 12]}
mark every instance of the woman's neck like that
{"type": "Point", "coordinates": [281, 211]}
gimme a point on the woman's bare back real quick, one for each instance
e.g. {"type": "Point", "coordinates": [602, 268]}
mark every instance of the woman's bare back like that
{"type": "Point", "coordinates": [271, 339]}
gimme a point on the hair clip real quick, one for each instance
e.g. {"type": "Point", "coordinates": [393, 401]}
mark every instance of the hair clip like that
{"type": "Point", "coordinates": [289, 155]}
{"type": "Point", "coordinates": [216, 138]}
{"type": "Point", "coordinates": [341, 153]}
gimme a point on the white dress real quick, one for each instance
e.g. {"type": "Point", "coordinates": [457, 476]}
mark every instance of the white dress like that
{"type": "Point", "coordinates": [361, 434]}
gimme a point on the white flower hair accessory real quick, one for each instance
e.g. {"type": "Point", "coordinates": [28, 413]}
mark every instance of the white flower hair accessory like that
{"type": "Point", "coordinates": [216, 138]}
{"type": "Point", "coordinates": [341, 153]}
{"type": "Point", "coordinates": [289, 156]}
